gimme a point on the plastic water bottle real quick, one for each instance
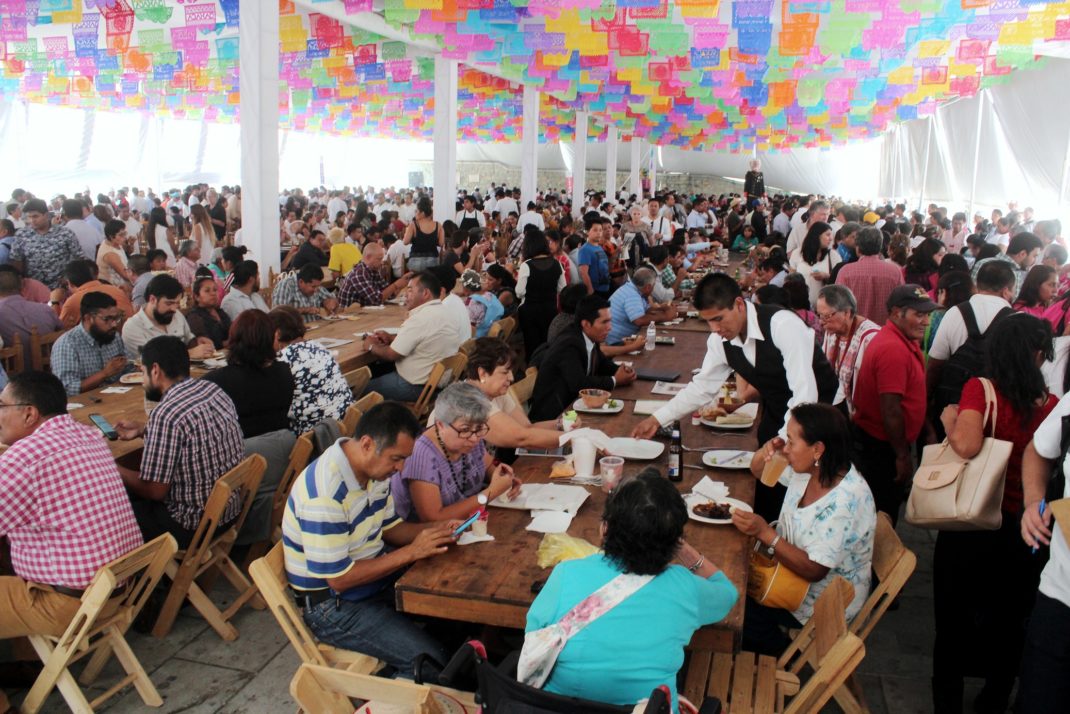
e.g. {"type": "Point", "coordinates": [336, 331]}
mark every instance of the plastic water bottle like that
{"type": "Point", "coordinates": [651, 335]}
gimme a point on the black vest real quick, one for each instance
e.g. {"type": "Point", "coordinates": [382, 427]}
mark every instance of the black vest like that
{"type": "Point", "coordinates": [768, 375]}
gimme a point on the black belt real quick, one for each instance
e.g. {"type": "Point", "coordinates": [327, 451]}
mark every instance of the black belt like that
{"type": "Point", "coordinates": [71, 592]}
{"type": "Point", "coordinates": [310, 598]}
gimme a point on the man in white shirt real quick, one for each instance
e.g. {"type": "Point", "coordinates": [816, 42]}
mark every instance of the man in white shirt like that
{"type": "Point", "coordinates": [468, 217]}
{"type": "Point", "coordinates": [700, 216]}
{"type": "Point", "coordinates": [506, 205]}
{"type": "Point", "coordinates": [818, 213]}
{"type": "Point", "coordinates": [407, 210]}
{"type": "Point", "coordinates": [782, 220]}
{"type": "Point", "coordinates": [160, 317]}
{"type": "Point", "coordinates": [1000, 234]}
{"type": "Point", "coordinates": [14, 214]}
{"type": "Point", "coordinates": [141, 204]}
{"type": "Point", "coordinates": [491, 204]}
{"type": "Point", "coordinates": [661, 225]}
{"type": "Point", "coordinates": [133, 225]}
{"type": "Point", "coordinates": [531, 217]}
{"type": "Point", "coordinates": [74, 213]}
{"type": "Point", "coordinates": [955, 237]}
{"type": "Point", "coordinates": [336, 205]}
{"type": "Point", "coordinates": [396, 254]}
{"type": "Point", "coordinates": [456, 310]}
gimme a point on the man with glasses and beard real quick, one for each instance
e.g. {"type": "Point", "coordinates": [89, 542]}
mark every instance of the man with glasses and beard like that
{"type": "Point", "coordinates": [191, 439]}
{"type": "Point", "coordinates": [92, 354]}
{"type": "Point", "coordinates": [161, 317]}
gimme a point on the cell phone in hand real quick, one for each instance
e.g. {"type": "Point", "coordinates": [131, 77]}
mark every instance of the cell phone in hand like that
{"type": "Point", "coordinates": [105, 427]}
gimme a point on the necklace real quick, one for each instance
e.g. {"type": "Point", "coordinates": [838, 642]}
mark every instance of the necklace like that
{"type": "Point", "coordinates": [446, 455]}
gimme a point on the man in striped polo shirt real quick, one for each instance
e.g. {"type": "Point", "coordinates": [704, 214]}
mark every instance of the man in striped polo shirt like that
{"type": "Point", "coordinates": [345, 547]}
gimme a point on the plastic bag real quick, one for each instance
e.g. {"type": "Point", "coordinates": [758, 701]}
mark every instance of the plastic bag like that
{"type": "Point", "coordinates": [557, 547]}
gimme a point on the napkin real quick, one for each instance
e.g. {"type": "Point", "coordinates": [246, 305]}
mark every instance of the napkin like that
{"type": "Point", "coordinates": [215, 363]}
{"type": "Point", "coordinates": [71, 406]}
{"type": "Point", "coordinates": [377, 307]}
{"type": "Point", "coordinates": [713, 490]}
{"type": "Point", "coordinates": [468, 537]}
{"type": "Point", "coordinates": [550, 521]}
{"type": "Point", "coordinates": [596, 437]}
{"type": "Point", "coordinates": [116, 390]}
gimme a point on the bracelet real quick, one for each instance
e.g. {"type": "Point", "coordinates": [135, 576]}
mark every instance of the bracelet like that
{"type": "Point", "coordinates": [698, 564]}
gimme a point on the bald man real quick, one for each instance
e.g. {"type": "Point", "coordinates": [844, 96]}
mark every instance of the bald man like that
{"type": "Point", "coordinates": [365, 283]}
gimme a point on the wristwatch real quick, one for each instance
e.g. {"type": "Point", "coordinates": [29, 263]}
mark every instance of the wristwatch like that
{"type": "Point", "coordinates": [772, 545]}
{"type": "Point", "coordinates": [482, 499]}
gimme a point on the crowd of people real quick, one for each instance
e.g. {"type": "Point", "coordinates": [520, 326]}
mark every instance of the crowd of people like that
{"type": "Point", "coordinates": [864, 332]}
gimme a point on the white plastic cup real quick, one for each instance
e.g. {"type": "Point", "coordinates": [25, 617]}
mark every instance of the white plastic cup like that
{"type": "Point", "coordinates": [583, 457]}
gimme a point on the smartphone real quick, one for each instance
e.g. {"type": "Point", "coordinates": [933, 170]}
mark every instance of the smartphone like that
{"type": "Point", "coordinates": [464, 526]}
{"type": "Point", "coordinates": [105, 427]}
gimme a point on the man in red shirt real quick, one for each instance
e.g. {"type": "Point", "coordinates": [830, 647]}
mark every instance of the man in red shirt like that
{"type": "Point", "coordinates": [890, 398]}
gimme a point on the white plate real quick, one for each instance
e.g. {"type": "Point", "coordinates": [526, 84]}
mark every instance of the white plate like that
{"type": "Point", "coordinates": [71, 406]}
{"type": "Point", "coordinates": [132, 378]}
{"type": "Point", "coordinates": [639, 449]}
{"type": "Point", "coordinates": [604, 409]}
{"type": "Point", "coordinates": [693, 499]}
{"type": "Point", "coordinates": [718, 459]}
{"type": "Point", "coordinates": [750, 409]}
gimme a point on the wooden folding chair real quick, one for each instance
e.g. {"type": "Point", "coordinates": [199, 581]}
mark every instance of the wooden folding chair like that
{"type": "Point", "coordinates": [749, 682]}
{"type": "Point", "coordinates": [467, 346]}
{"type": "Point", "coordinates": [358, 380]}
{"type": "Point", "coordinates": [299, 458]}
{"type": "Point", "coordinates": [109, 606]}
{"type": "Point", "coordinates": [328, 691]}
{"type": "Point", "coordinates": [269, 574]}
{"type": "Point", "coordinates": [210, 550]}
{"type": "Point", "coordinates": [41, 349]}
{"type": "Point", "coordinates": [12, 357]}
{"type": "Point", "coordinates": [368, 401]}
{"type": "Point", "coordinates": [350, 419]}
{"type": "Point", "coordinates": [443, 369]}
{"type": "Point", "coordinates": [522, 389]}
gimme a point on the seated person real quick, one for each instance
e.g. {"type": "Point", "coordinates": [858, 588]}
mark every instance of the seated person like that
{"type": "Point", "coordinates": [19, 316]}
{"type": "Point", "coordinates": [79, 274]}
{"type": "Point", "coordinates": [261, 387]}
{"type": "Point", "coordinates": [303, 290]}
{"type": "Point", "coordinates": [320, 389]}
{"type": "Point", "coordinates": [145, 267]}
{"type": "Point", "coordinates": [630, 309]}
{"type": "Point", "coordinates": [452, 303]}
{"type": "Point", "coordinates": [312, 252]}
{"type": "Point", "coordinates": [244, 293]}
{"type": "Point", "coordinates": [161, 317]}
{"type": "Point", "coordinates": [191, 439]}
{"type": "Point", "coordinates": [426, 336]}
{"type": "Point", "coordinates": [482, 305]}
{"type": "Point", "coordinates": [365, 284]}
{"type": "Point", "coordinates": [344, 256]}
{"type": "Point", "coordinates": [344, 546]}
{"type": "Point", "coordinates": [817, 544]}
{"type": "Point", "coordinates": [91, 354]}
{"type": "Point", "coordinates": [207, 319]}
{"type": "Point", "coordinates": [450, 474]}
{"type": "Point", "coordinates": [63, 509]}
{"type": "Point", "coordinates": [611, 659]}
{"type": "Point", "coordinates": [575, 361]}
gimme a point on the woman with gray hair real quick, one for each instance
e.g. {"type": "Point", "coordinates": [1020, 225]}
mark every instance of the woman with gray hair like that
{"type": "Point", "coordinates": [450, 474]}
{"type": "Point", "coordinates": [847, 334]}
{"type": "Point", "coordinates": [189, 252]}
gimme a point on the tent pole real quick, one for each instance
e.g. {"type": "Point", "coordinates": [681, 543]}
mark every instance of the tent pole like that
{"type": "Point", "coordinates": [976, 150]}
{"type": "Point", "coordinates": [529, 147]}
{"type": "Point", "coordinates": [445, 138]}
{"type": "Point", "coordinates": [636, 182]}
{"type": "Point", "coordinates": [579, 166]}
{"type": "Point", "coordinates": [1065, 182]}
{"type": "Point", "coordinates": [925, 168]}
{"type": "Point", "coordinates": [611, 164]}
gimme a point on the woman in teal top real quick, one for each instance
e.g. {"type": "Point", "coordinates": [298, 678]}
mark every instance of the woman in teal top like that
{"type": "Point", "coordinates": [637, 646]}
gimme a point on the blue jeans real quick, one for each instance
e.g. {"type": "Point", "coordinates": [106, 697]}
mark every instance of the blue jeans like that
{"type": "Point", "coordinates": [393, 387]}
{"type": "Point", "coordinates": [373, 627]}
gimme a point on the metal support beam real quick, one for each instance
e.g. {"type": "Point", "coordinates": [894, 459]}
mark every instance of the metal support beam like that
{"type": "Point", "coordinates": [529, 147]}
{"type": "Point", "coordinates": [579, 165]}
{"type": "Point", "coordinates": [445, 137]}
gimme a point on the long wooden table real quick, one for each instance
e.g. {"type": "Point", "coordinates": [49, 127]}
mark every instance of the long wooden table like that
{"type": "Point", "coordinates": [492, 582]}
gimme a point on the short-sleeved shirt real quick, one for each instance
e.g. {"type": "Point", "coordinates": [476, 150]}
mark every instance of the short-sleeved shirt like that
{"type": "Point", "coordinates": [331, 521]}
{"type": "Point", "coordinates": [427, 336]}
{"type": "Point", "coordinates": [1047, 440]}
{"type": "Point", "coordinates": [892, 364]}
{"type": "Point", "coordinates": [63, 507]}
{"type": "Point", "coordinates": [836, 531]}
{"type": "Point", "coordinates": [320, 389]}
{"type": "Point", "coordinates": [309, 254]}
{"type": "Point", "coordinates": [71, 314]}
{"type": "Point", "coordinates": [19, 316]}
{"type": "Point", "coordinates": [597, 266]}
{"type": "Point", "coordinates": [192, 439]}
{"type": "Point", "coordinates": [236, 302]}
{"type": "Point", "coordinates": [428, 464]}
{"type": "Point", "coordinates": [262, 397]}
{"type": "Point", "coordinates": [139, 329]}
{"type": "Point", "coordinates": [46, 255]}
{"type": "Point", "coordinates": [343, 257]}
{"type": "Point", "coordinates": [287, 293]}
{"type": "Point", "coordinates": [626, 305]}
{"type": "Point", "coordinates": [76, 355]}
{"type": "Point", "coordinates": [952, 332]}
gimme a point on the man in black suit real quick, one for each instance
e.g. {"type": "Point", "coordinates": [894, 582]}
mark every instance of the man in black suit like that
{"type": "Point", "coordinates": [575, 361]}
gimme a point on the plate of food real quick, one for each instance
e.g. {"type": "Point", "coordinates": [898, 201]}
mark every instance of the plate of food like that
{"type": "Point", "coordinates": [132, 378]}
{"type": "Point", "coordinates": [612, 406]}
{"type": "Point", "coordinates": [728, 459]}
{"type": "Point", "coordinates": [740, 419]}
{"type": "Point", "coordinates": [705, 510]}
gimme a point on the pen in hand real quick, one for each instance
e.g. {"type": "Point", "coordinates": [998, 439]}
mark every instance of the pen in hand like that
{"type": "Point", "coordinates": [1043, 505]}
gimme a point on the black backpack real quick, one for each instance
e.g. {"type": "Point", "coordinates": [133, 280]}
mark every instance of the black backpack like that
{"type": "Point", "coordinates": [967, 361]}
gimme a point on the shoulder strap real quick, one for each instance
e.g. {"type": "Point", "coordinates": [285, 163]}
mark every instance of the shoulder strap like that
{"type": "Point", "coordinates": [601, 601]}
{"type": "Point", "coordinates": [991, 405]}
{"type": "Point", "coordinates": [969, 319]}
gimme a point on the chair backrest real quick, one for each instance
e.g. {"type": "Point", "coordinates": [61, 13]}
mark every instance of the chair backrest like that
{"type": "Point", "coordinates": [41, 349]}
{"type": "Point", "coordinates": [366, 402]}
{"type": "Point", "coordinates": [12, 357]}
{"type": "Point", "coordinates": [350, 419]}
{"type": "Point", "coordinates": [496, 329]}
{"type": "Point", "coordinates": [893, 564]}
{"type": "Point", "coordinates": [522, 389]}
{"type": "Point", "coordinates": [508, 326]}
{"type": "Point", "coordinates": [453, 365]}
{"type": "Point", "coordinates": [243, 479]}
{"type": "Point", "coordinates": [269, 574]}
{"type": "Point", "coordinates": [826, 644]}
{"type": "Point", "coordinates": [358, 380]}
{"type": "Point", "coordinates": [140, 570]}
{"type": "Point", "coordinates": [299, 456]}
{"type": "Point", "coordinates": [467, 346]}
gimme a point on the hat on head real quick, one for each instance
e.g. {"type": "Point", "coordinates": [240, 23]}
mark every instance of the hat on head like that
{"type": "Point", "coordinates": [871, 218]}
{"type": "Point", "coordinates": [470, 280]}
{"type": "Point", "coordinates": [913, 296]}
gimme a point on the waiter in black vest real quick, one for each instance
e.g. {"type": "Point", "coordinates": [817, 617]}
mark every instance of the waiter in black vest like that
{"type": "Point", "coordinates": [767, 345]}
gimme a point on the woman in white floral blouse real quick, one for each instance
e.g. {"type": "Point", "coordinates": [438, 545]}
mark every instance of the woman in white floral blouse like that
{"type": "Point", "coordinates": [826, 524]}
{"type": "Point", "coordinates": [320, 390]}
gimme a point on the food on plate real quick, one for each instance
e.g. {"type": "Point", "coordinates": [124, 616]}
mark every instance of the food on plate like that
{"type": "Point", "coordinates": [562, 469]}
{"type": "Point", "coordinates": [734, 419]}
{"type": "Point", "coordinates": [594, 398]}
{"type": "Point", "coordinates": [712, 411]}
{"type": "Point", "coordinates": [712, 510]}
{"type": "Point", "coordinates": [612, 404]}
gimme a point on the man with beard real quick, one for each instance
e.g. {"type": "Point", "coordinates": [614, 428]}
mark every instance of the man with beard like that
{"type": "Point", "coordinates": [161, 317]}
{"type": "Point", "coordinates": [91, 354]}
{"type": "Point", "coordinates": [191, 439]}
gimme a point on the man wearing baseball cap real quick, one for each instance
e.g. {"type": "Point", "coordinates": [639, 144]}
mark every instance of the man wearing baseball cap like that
{"type": "Point", "coordinates": [889, 398]}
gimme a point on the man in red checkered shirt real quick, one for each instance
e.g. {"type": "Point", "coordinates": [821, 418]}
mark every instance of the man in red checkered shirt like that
{"type": "Point", "coordinates": [63, 508]}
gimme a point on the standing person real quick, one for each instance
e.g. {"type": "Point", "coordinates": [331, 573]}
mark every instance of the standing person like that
{"type": "Point", "coordinates": [74, 214]}
{"type": "Point", "coordinates": [592, 259]}
{"type": "Point", "coordinates": [818, 212]}
{"type": "Point", "coordinates": [815, 258]}
{"type": "Point", "coordinates": [202, 232]}
{"type": "Point", "coordinates": [889, 403]}
{"type": "Point", "coordinates": [468, 217]}
{"type": "Point", "coordinates": [345, 546]}
{"type": "Point", "coordinates": [981, 621]}
{"type": "Point", "coordinates": [636, 238]}
{"type": "Point", "coordinates": [952, 289]}
{"type": "Point", "coordinates": [539, 280]}
{"type": "Point", "coordinates": [871, 278]}
{"type": "Point", "coordinates": [426, 237]}
{"type": "Point", "coordinates": [661, 226]}
{"type": "Point", "coordinates": [847, 334]}
{"type": "Point", "coordinates": [923, 265]}
{"type": "Point", "coordinates": [41, 250]}
{"type": "Point", "coordinates": [754, 182]}
{"type": "Point", "coordinates": [1038, 291]}
{"type": "Point", "coordinates": [765, 345]}
{"type": "Point", "coordinates": [160, 236]}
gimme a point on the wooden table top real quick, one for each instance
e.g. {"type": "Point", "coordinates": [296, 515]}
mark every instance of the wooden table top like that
{"type": "Point", "coordinates": [491, 583]}
{"type": "Point", "coordinates": [353, 355]}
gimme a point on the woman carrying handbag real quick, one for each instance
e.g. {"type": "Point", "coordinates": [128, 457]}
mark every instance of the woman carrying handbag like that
{"type": "Point", "coordinates": [985, 581]}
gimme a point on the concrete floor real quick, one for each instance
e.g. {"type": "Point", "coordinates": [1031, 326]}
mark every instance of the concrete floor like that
{"type": "Point", "coordinates": [197, 672]}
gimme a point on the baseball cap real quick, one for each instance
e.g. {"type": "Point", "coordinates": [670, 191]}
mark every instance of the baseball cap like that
{"type": "Point", "coordinates": [871, 218]}
{"type": "Point", "coordinates": [913, 296]}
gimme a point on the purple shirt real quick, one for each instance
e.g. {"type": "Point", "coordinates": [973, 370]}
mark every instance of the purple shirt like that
{"type": "Point", "coordinates": [428, 464]}
{"type": "Point", "coordinates": [17, 316]}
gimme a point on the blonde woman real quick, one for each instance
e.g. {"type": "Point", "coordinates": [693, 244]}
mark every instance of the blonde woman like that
{"type": "Point", "coordinates": [202, 233]}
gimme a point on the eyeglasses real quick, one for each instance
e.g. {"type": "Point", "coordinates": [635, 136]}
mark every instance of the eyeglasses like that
{"type": "Point", "coordinates": [479, 432]}
{"type": "Point", "coordinates": [109, 319]}
{"type": "Point", "coordinates": [18, 404]}
{"type": "Point", "coordinates": [826, 316]}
